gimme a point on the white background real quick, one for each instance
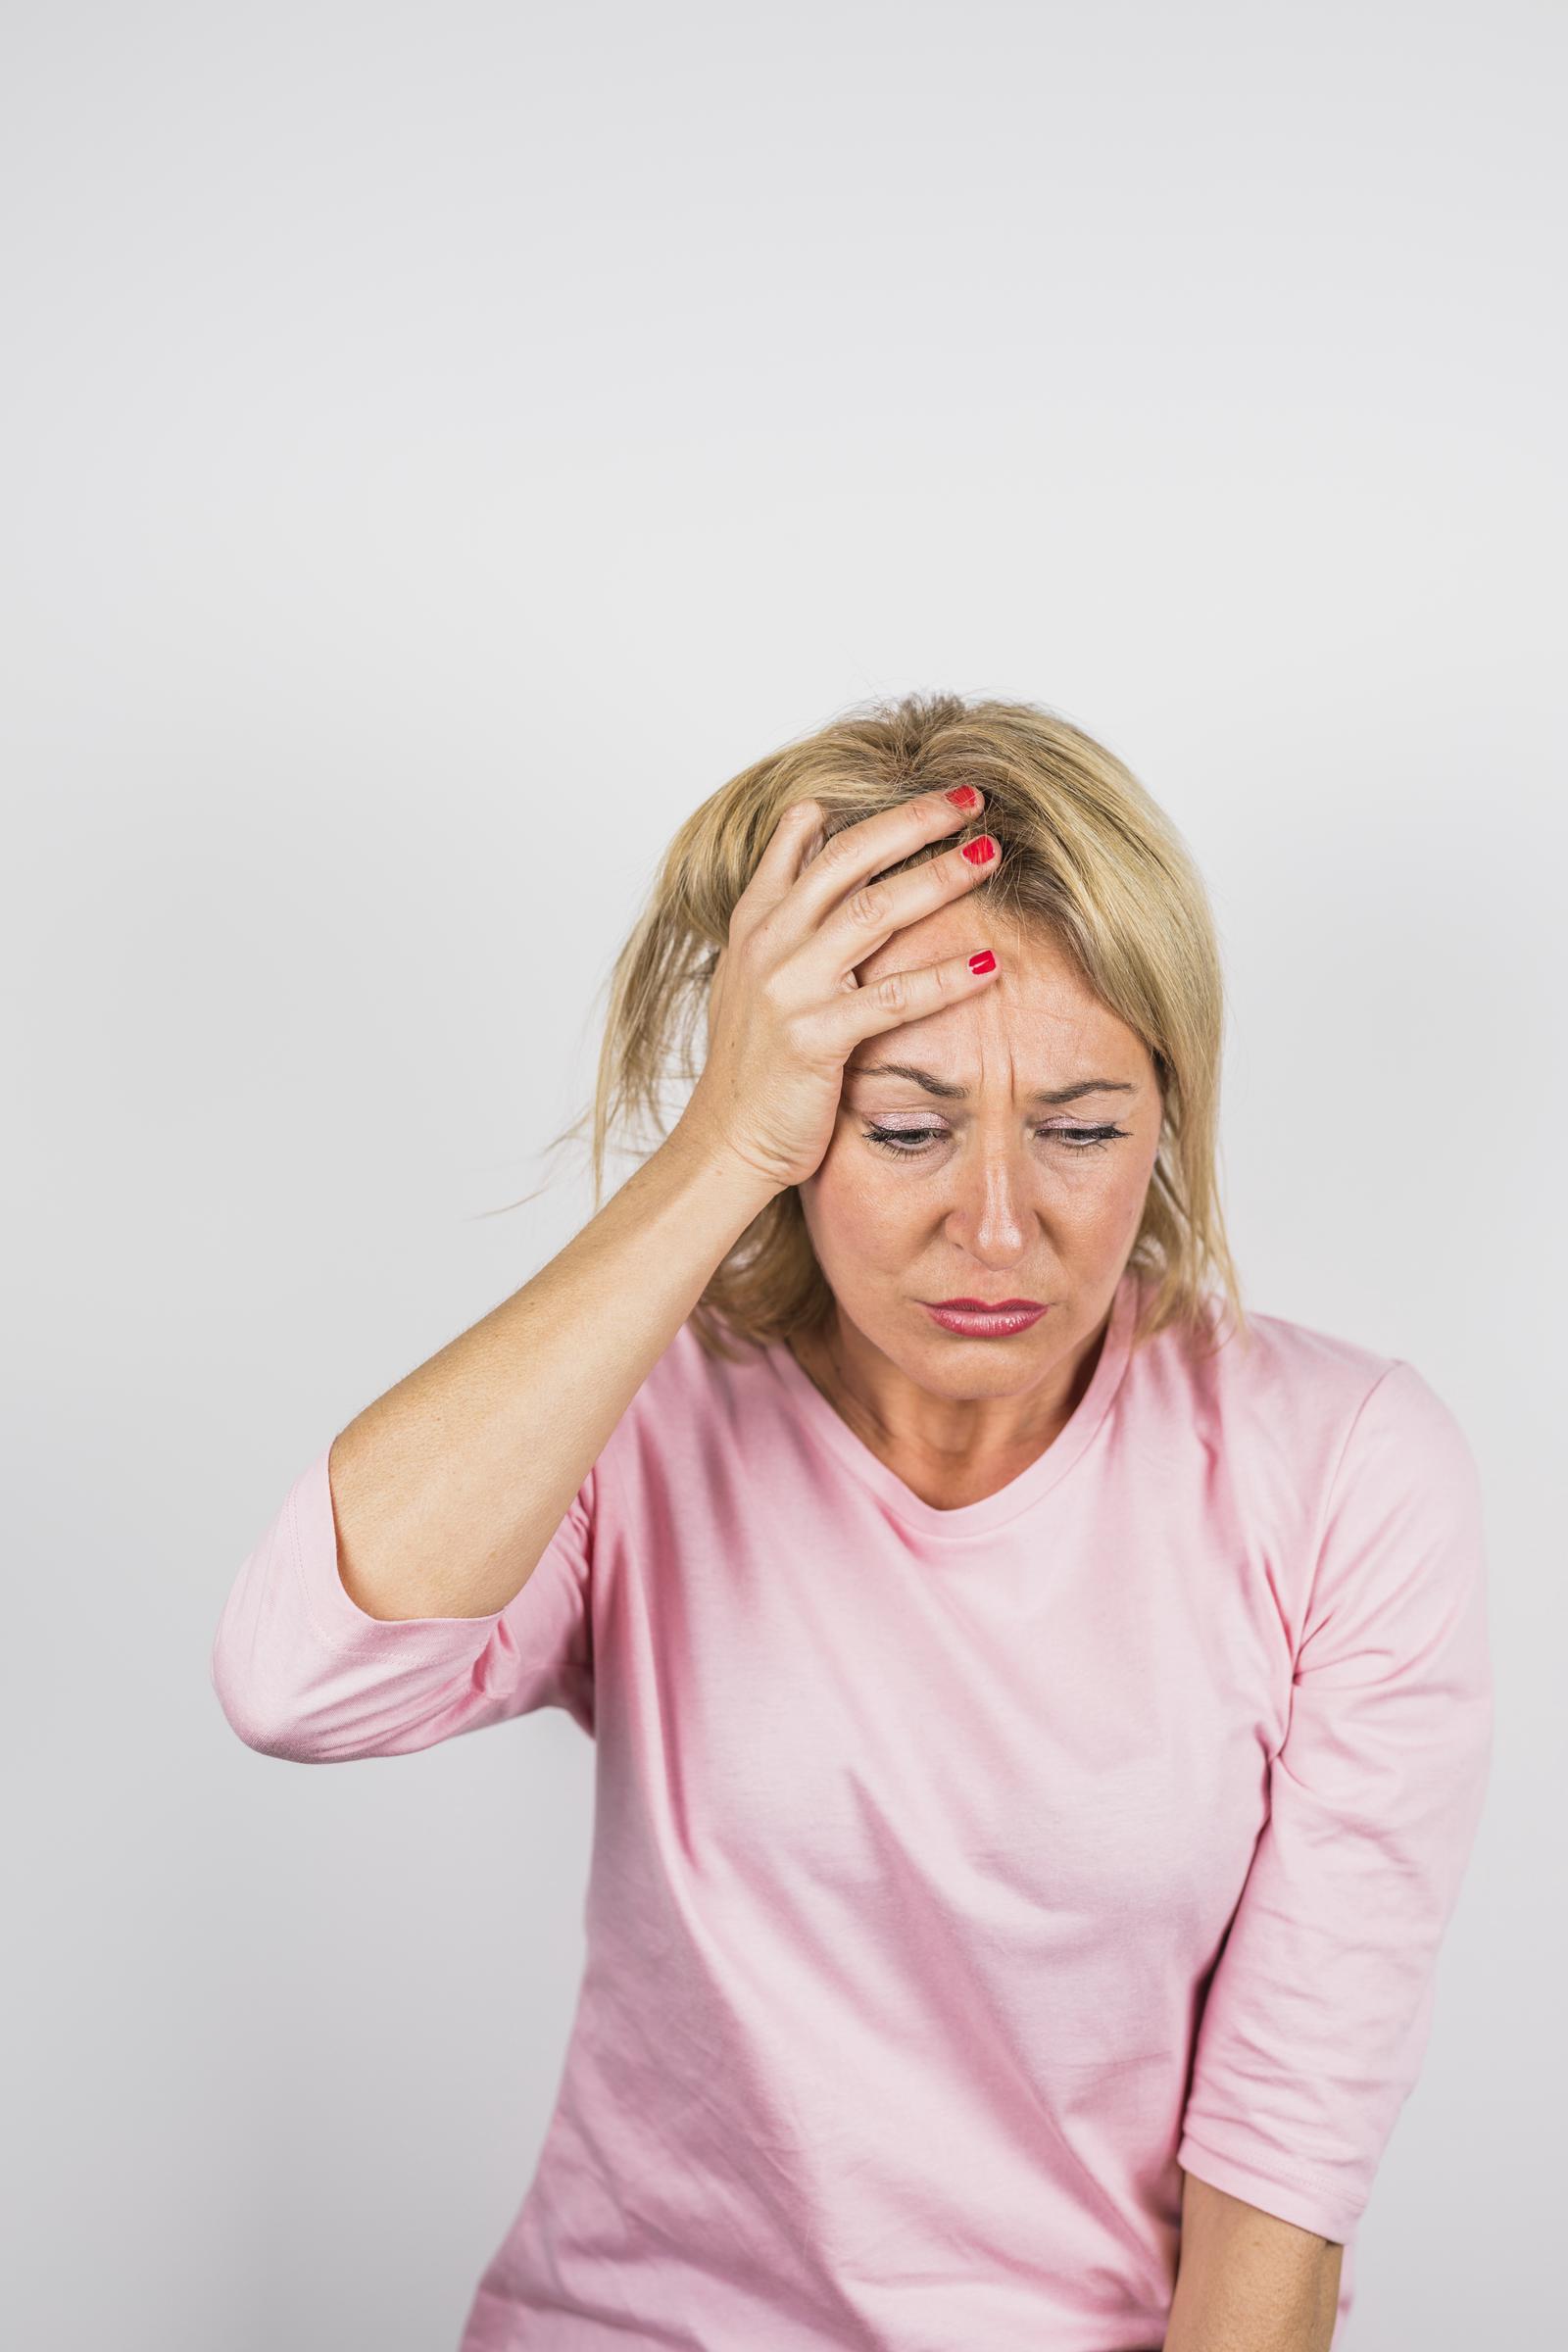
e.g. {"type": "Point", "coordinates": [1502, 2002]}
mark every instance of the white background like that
{"type": "Point", "coordinates": [440, 445]}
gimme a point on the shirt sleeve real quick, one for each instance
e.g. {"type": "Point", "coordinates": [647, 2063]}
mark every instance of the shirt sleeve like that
{"type": "Point", "coordinates": [1320, 2005]}
{"type": "Point", "coordinates": [302, 1672]}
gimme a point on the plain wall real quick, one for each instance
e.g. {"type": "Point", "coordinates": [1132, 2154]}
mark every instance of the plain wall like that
{"type": "Point", "coordinates": [441, 445]}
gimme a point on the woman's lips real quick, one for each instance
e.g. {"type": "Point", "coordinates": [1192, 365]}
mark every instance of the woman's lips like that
{"type": "Point", "coordinates": [984, 1322]}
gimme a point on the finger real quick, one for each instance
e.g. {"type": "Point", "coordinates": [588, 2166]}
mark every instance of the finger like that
{"type": "Point", "coordinates": [894, 997]}
{"type": "Point", "coordinates": [872, 914]}
{"type": "Point", "coordinates": [795, 837]}
{"type": "Point", "coordinates": [861, 852]}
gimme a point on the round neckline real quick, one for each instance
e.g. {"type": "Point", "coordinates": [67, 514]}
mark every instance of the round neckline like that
{"type": "Point", "coordinates": [1044, 1472]}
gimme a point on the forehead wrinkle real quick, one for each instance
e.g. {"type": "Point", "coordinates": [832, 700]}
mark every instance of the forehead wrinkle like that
{"type": "Point", "coordinates": [897, 1053]}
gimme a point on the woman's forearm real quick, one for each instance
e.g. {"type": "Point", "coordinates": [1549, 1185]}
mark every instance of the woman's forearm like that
{"type": "Point", "coordinates": [447, 1489]}
{"type": "Point", "coordinates": [1247, 2282]}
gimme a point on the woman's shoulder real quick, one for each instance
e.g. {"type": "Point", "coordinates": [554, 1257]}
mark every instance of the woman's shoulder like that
{"type": "Point", "coordinates": [1293, 1388]}
{"type": "Point", "coordinates": [1280, 1350]}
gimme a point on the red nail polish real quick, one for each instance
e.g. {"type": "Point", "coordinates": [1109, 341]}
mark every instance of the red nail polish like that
{"type": "Point", "coordinates": [985, 962]}
{"type": "Point", "coordinates": [981, 851]}
{"type": "Point", "coordinates": [962, 796]}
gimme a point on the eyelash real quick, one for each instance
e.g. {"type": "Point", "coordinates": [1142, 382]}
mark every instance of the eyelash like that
{"type": "Point", "coordinates": [1080, 1138]}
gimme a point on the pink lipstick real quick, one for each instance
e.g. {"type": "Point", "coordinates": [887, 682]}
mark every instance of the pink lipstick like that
{"type": "Point", "coordinates": [974, 1319]}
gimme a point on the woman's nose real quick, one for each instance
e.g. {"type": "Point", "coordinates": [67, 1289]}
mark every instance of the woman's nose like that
{"type": "Point", "coordinates": [991, 1207]}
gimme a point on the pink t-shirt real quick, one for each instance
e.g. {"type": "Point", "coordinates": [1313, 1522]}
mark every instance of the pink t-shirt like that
{"type": "Point", "coordinates": [958, 1876]}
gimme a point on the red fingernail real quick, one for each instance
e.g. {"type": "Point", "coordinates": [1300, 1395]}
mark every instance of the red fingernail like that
{"type": "Point", "coordinates": [985, 962]}
{"type": "Point", "coordinates": [962, 796]}
{"type": "Point", "coordinates": [981, 851]}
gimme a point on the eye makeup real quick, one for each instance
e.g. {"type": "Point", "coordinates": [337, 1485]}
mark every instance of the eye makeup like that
{"type": "Point", "coordinates": [916, 1143]}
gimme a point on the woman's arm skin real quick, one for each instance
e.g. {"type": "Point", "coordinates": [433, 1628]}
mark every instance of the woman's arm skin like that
{"type": "Point", "coordinates": [1247, 2282]}
{"type": "Point", "coordinates": [447, 1489]}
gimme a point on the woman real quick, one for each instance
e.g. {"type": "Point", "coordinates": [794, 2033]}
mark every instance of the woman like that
{"type": "Point", "coordinates": [1042, 1714]}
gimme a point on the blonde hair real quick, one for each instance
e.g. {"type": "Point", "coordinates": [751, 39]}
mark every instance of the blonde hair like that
{"type": "Point", "coordinates": [1088, 856]}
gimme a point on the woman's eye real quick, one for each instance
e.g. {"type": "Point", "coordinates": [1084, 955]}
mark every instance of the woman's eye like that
{"type": "Point", "coordinates": [912, 1143]}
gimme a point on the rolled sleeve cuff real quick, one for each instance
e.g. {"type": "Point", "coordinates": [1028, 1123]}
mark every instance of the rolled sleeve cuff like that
{"type": "Point", "coordinates": [1310, 2204]}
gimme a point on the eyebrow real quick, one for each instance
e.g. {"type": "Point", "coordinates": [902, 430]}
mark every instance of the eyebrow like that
{"type": "Point", "coordinates": [958, 1094]}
